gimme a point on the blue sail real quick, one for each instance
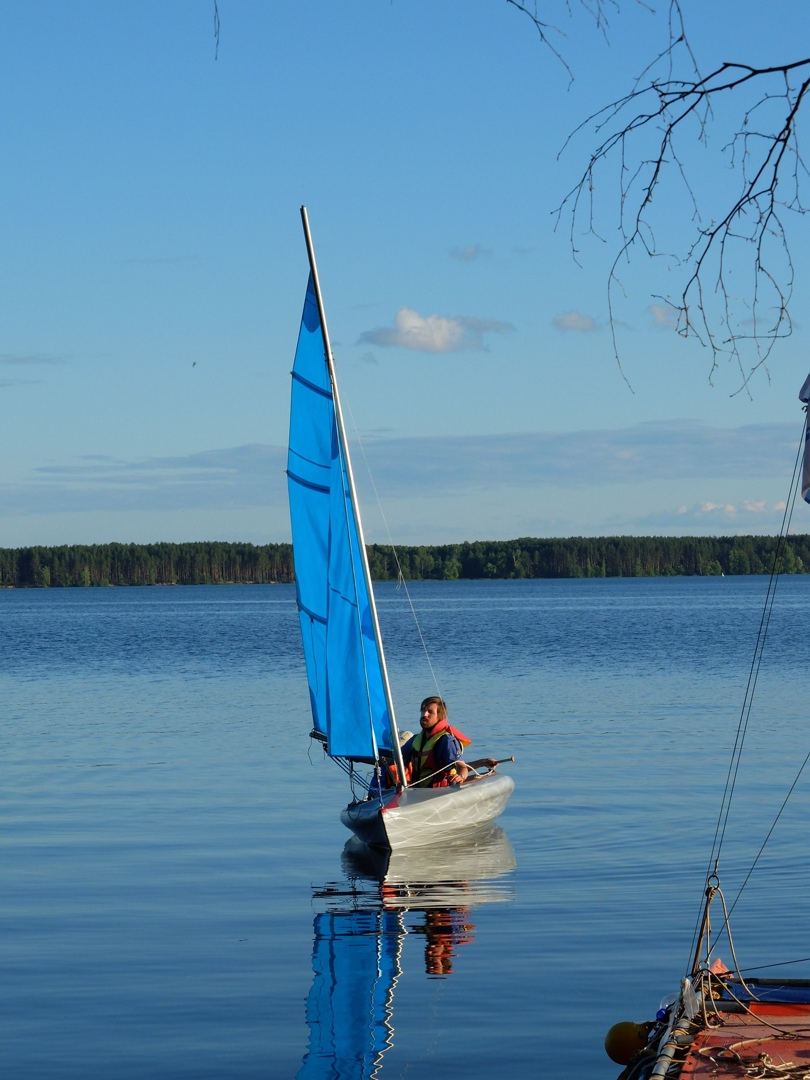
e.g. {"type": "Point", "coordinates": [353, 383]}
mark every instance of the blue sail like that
{"type": "Point", "coordinates": [344, 669]}
{"type": "Point", "coordinates": [356, 964]}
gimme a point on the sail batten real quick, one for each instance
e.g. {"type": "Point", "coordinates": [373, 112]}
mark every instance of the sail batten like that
{"type": "Point", "coordinates": [321, 488]}
{"type": "Point", "coordinates": [348, 688]}
{"type": "Point", "coordinates": [311, 386]}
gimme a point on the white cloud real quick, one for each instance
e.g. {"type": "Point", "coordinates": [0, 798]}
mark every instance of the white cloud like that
{"type": "Point", "coordinates": [663, 315]}
{"type": "Point", "coordinates": [725, 512]}
{"type": "Point", "coordinates": [26, 360]}
{"type": "Point", "coordinates": [575, 320]}
{"type": "Point", "coordinates": [434, 333]}
{"type": "Point", "coordinates": [470, 253]}
{"type": "Point", "coordinates": [713, 508]}
{"type": "Point", "coordinates": [228, 479]}
{"type": "Point", "coordinates": [680, 476]}
{"type": "Point", "coordinates": [160, 260]}
{"type": "Point", "coordinates": [30, 359]}
{"type": "Point", "coordinates": [652, 452]}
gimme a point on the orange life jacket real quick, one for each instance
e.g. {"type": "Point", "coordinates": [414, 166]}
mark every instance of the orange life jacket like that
{"type": "Point", "coordinates": [423, 760]}
{"type": "Point", "coordinates": [391, 775]}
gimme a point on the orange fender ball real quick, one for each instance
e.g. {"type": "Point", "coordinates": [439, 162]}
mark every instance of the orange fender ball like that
{"type": "Point", "coordinates": [625, 1039]}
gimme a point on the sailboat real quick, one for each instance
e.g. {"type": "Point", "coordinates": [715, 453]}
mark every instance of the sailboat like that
{"type": "Point", "coordinates": [723, 1021]}
{"type": "Point", "coordinates": [349, 688]}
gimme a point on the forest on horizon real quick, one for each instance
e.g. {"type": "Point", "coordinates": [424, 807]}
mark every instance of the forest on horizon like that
{"type": "Point", "coordinates": [222, 563]}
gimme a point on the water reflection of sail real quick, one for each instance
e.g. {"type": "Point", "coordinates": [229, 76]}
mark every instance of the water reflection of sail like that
{"type": "Point", "coordinates": [356, 961]}
{"type": "Point", "coordinates": [359, 939]}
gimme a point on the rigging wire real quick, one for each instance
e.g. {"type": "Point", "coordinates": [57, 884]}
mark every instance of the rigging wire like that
{"type": "Point", "coordinates": [401, 582]}
{"type": "Point", "coordinates": [782, 963]}
{"type": "Point", "coordinates": [744, 1006]}
{"type": "Point", "coordinates": [770, 831]}
{"type": "Point", "coordinates": [745, 714]}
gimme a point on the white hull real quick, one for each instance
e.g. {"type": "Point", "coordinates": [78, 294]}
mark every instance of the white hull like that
{"type": "Point", "coordinates": [420, 816]}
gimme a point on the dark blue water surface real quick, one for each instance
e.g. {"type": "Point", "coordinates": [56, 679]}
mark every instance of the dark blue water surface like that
{"type": "Point", "coordinates": [176, 894]}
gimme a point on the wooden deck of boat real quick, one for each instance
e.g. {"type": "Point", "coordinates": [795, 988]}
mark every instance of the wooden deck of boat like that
{"type": "Point", "coordinates": [775, 1042]}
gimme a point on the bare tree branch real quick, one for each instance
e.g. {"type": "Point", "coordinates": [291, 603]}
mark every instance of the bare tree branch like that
{"type": "Point", "coordinates": [768, 163]}
{"type": "Point", "coordinates": [707, 169]}
{"type": "Point", "coordinates": [650, 140]}
{"type": "Point", "coordinates": [597, 9]}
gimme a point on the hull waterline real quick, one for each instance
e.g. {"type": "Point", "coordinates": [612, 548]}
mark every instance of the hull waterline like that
{"type": "Point", "coordinates": [415, 817]}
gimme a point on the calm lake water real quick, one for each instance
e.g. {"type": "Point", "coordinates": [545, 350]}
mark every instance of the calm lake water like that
{"type": "Point", "coordinates": [176, 894]}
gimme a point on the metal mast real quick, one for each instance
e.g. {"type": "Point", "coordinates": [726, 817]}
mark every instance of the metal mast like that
{"type": "Point", "coordinates": [330, 364]}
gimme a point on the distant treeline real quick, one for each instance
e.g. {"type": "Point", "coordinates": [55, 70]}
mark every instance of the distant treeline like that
{"type": "Point", "coordinates": [601, 556]}
{"type": "Point", "coordinates": [573, 557]}
{"type": "Point", "coordinates": [145, 564]}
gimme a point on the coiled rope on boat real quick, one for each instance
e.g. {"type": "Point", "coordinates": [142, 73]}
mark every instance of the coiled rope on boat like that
{"type": "Point", "coordinates": [766, 1068]}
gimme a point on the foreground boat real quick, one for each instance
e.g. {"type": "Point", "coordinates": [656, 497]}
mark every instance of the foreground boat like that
{"type": "Point", "coordinates": [723, 1022]}
{"type": "Point", "coordinates": [350, 694]}
{"type": "Point", "coordinates": [722, 1025]}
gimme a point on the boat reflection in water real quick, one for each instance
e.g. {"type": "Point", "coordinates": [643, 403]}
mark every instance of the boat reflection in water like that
{"type": "Point", "coordinates": [360, 941]}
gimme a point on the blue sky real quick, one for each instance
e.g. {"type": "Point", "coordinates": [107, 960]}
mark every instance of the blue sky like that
{"type": "Point", "coordinates": [153, 275]}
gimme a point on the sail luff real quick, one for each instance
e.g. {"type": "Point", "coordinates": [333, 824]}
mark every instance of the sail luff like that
{"type": "Point", "coordinates": [346, 458]}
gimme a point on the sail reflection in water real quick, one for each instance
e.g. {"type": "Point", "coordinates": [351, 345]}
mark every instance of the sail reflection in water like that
{"type": "Point", "coordinates": [356, 960]}
{"type": "Point", "coordinates": [359, 945]}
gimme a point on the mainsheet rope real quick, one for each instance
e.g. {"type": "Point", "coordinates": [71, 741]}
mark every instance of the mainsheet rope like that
{"type": "Point", "coordinates": [459, 761]}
